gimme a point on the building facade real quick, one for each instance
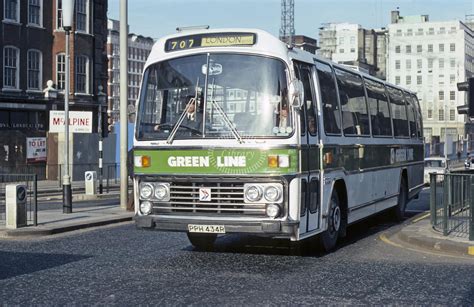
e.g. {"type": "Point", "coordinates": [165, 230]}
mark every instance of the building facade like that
{"type": "Point", "coordinates": [139, 47]}
{"type": "Point", "coordinates": [32, 48]}
{"type": "Point", "coordinates": [352, 45]}
{"type": "Point", "coordinates": [429, 58]}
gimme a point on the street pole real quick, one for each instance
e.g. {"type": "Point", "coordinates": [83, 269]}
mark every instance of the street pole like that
{"type": "Point", "coordinates": [101, 155]}
{"type": "Point", "coordinates": [68, 13]}
{"type": "Point", "coordinates": [123, 103]}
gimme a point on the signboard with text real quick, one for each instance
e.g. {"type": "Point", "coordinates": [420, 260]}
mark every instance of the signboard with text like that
{"type": "Point", "coordinates": [79, 122]}
{"type": "Point", "coordinates": [35, 150]}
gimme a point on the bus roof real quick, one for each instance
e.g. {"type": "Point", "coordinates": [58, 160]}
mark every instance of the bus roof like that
{"type": "Point", "coordinates": [264, 43]}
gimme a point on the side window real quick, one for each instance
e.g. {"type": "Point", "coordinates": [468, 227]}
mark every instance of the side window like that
{"type": "Point", "coordinates": [411, 115]}
{"type": "Point", "coordinates": [305, 76]}
{"type": "Point", "coordinates": [298, 74]}
{"type": "Point", "coordinates": [399, 112]}
{"type": "Point", "coordinates": [355, 119]}
{"type": "Point", "coordinates": [419, 119]}
{"type": "Point", "coordinates": [329, 102]}
{"type": "Point", "coordinates": [379, 108]}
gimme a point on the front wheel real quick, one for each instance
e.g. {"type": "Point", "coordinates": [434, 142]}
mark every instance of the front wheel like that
{"type": "Point", "coordinates": [202, 241]}
{"type": "Point", "coordinates": [328, 239]}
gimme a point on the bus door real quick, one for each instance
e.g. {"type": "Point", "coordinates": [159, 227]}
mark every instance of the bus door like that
{"type": "Point", "coordinates": [309, 212]}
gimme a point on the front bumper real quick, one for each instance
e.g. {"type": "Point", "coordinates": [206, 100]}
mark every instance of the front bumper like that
{"type": "Point", "coordinates": [280, 229]}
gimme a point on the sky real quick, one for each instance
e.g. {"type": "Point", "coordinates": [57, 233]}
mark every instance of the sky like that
{"type": "Point", "coordinates": [157, 18]}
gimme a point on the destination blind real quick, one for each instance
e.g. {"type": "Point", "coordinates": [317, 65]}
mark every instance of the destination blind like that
{"type": "Point", "coordinates": [210, 40]}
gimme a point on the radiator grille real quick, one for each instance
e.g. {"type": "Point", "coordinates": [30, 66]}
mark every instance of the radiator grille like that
{"type": "Point", "coordinates": [227, 199]}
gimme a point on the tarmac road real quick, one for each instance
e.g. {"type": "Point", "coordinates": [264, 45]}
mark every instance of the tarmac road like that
{"type": "Point", "coordinates": [123, 265]}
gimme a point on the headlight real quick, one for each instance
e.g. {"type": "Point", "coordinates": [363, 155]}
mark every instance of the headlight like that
{"type": "Point", "coordinates": [272, 193]}
{"type": "Point", "coordinates": [272, 210]}
{"type": "Point", "coordinates": [146, 207]}
{"type": "Point", "coordinates": [162, 192]}
{"type": "Point", "coordinates": [253, 193]}
{"type": "Point", "coordinates": [146, 190]}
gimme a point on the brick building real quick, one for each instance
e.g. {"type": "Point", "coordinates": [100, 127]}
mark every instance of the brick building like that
{"type": "Point", "coordinates": [32, 49]}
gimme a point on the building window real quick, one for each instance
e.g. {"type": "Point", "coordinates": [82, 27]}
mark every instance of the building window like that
{"type": "Point", "coordinates": [452, 115]}
{"type": "Point", "coordinates": [419, 64]}
{"type": "Point", "coordinates": [442, 30]}
{"type": "Point", "coordinates": [452, 95]}
{"type": "Point", "coordinates": [408, 80]}
{"type": "Point", "coordinates": [420, 31]}
{"type": "Point", "coordinates": [419, 80]}
{"type": "Point", "coordinates": [353, 40]}
{"type": "Point", "coordinates": [59, 14]}
{"type": "Point", "coordinates": [34, 12]}
{"type": "Point", "coordinates": [10, 67]}
{"type": "Point", "coordinates": [430, 47]}
{"type": "Point", "coordinates": [12, 11]}
{"type": "Point", "coordinates": [397, 80]}
{"type": "Point", "coordinates": [81, 15]}
{"type": "Point", "coordinates": [452, 79]}
{"type": "Point", "coordinates": [408, 49]}
{"type": "Point", "coordinates": [430, 31]}
{"type": "Point", "coordinates": [441, 47]}
{"type": "Point", "coordinates": [34, 69]}
{"type": "Point", "coordinates": [441, 95]}
{"type": "Point", "coordinates": [399, 32]}
{"type": "Point", "coordinates": [410, 32]}
{"type": "Point", "coordinates": [397, 49]}
{"type": "Point", "coordinates": [441, 63]}
{"type": "Point", "coordinates": [430, 113]}
{"type": "Point", "coordinates": [353, 50]}
{"type": "Point", "coordinates": [430, 63]}
{"type": "Point", "coordinates": [341, 40]}
{"type": "Point", "coordinates": [82, 72]}
{"type": "Point", "coordinates": [452, 47]}
{"type": "Point", "coordinates": [408, 64]}
{"type": "Point", "coordinates": [61, 71]}
{"type": "Point", "coordinates": [419, 48]}
{"type": "Point", "coordinates": [441, 114]}
{"type": "Point", "coordinates": [397, 64]}
{"type": "Point", "coordinates": [341, 50]}
{"type": "Point", "coordinates": [452, 63]}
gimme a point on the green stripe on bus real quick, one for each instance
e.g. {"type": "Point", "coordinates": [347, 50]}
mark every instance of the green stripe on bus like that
{"type": "Point", "coordinates": [216, 161]}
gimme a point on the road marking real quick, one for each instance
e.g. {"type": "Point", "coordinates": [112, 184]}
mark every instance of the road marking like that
{"type": "Point", "coordinates": [421, 217]}
{"type": "Point", "coordinates": [386, 240]}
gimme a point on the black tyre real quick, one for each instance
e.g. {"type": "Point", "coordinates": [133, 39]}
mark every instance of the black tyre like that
{"type": "Point", "coordinates": [399, 209]}
{"type": "Point", "coordinates": [328, 239]}
{"type": "Point", "coordinates": [202, 241]}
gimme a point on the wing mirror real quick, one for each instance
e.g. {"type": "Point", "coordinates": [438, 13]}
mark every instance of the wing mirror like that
{"type": "Point", "coordinates": [296, 92]}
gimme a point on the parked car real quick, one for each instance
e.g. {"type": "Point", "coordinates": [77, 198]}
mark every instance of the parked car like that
{"type": "Point", "coordinates": [434, 165]}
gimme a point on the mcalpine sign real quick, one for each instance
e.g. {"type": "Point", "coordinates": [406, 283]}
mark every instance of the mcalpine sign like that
{"type": "Point", "coordinates": [79, 122]}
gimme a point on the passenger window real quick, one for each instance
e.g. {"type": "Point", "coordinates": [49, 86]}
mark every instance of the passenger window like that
{"type": "Point", "coordinates": [355, 119]}
{"type": "Point", "coordinates": [329, 102]}
{"type": "Point", "coordinates": [399, 112]}
{"type": "Point", "coordinates": [305, 76]}
{"type": "Point", "coordinates": [419, 119]}
{"type": "Point", "coordinates": [379, 108]}
{"type": "Point", "coordinates": [411, 115]}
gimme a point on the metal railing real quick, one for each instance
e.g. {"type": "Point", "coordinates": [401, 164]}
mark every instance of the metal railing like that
{"type": "Point", "coordinates": [31, 182]}
{"type": "Point", "coordinates": [452, 204]}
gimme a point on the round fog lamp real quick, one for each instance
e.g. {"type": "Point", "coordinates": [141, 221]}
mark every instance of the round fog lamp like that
{"type": "Point", "coordinates": [145, 207]}
{"type": "Point", "coordinates": [253, 193]}
{"type": "Point", "coordinates": [161, 192]}
{"type": "Point", "coordinates": [272, 210]}
{"type": "Point", "coordinates": [272, 193]}
{"type": "Point", "coordinates": [146, 191]}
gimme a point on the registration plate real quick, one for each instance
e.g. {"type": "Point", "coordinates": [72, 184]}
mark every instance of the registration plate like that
{"type": "Point", "coordinates": [206, 228]}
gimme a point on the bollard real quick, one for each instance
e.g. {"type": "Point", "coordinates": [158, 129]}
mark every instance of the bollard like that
{"type": "Point", "coordinates": [15, 201]}
{"type": "Point", "coordinates": [90, 182]}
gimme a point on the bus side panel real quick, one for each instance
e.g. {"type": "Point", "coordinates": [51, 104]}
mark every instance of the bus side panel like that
{"type": "Point", "coordinates": [415, 179]}
{"type": "Point", "coordinates": [387, 190]}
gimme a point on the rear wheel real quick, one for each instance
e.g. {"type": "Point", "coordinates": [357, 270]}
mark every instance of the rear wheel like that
{"type": "Point", "coordinates": [202, 241]}
{"type": "Point", "coordinates": [399, 210]}
{"type": "Point", "coordinates": [328, 239]}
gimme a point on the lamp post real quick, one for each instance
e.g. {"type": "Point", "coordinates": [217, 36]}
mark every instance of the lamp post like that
{"type": "Point", "coordinates": [101, 99]}
{"type": "Point", "coordinates": [68, 13]}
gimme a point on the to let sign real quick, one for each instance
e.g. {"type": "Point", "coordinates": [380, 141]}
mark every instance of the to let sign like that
{"type": "Point", "coordinates": [35, 149]}
{"type": "Point", "coordinates": [79, 122]}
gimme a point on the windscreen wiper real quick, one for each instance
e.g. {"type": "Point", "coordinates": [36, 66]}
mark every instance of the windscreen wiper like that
{"type": "Point", "coordinates": [229, 123]}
